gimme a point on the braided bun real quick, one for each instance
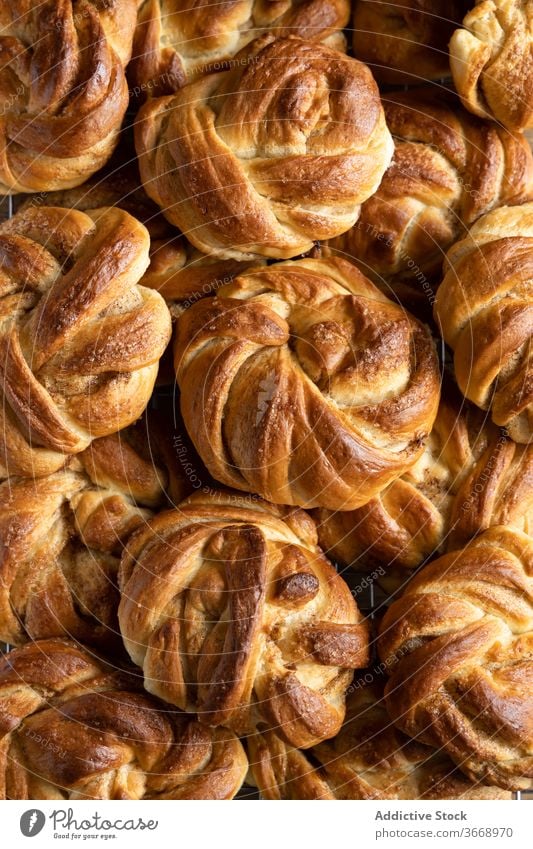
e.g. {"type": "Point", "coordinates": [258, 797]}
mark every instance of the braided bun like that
{"type": "Point", "coordinates": [234, 613]}
{"type": "Point", "coordinates": [61, 536]}
{"type": "Point", "coordinates": [79, 339]}
{"type": "Point", "coordinates": [491, 59]}
{"type": "Point", "coordinates": [302, 382]}
{"type": "Point", "coordinates": [63, 92]}
{"type": "Point", "coordinates": [485, 313]}
{"type": "Point", "coordinates": [459, 645]}
{"type": "Point", "coordinates": [449, 168]}
{"type": "Point", "coordinates": [72, 728]}
{"type": "Point", "coordinates": [176, 42]}
{"type": "Point", "coordinates": [269, 156]}
{"type": "Point", "coordinates": [469, 478]}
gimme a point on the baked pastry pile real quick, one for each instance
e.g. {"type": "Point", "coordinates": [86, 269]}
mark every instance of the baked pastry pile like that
{"type": "Point", "coordinates": [266, 341]}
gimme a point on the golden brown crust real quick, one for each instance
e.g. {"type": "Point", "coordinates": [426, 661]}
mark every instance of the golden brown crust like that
{"type": "Point", "coordinates": [176, 42]}
{"type": "Point", "coordinates": [406, 41]}
{"type": "Point", "coordinates": [448, 169]}
{"type": "Point", "coordinates": [247, 169]}
{"type": "Point", "coordinates": [491, 60]}
{"type": "Point", "coordinates": [179, 272]}
{"type": "Point", "coordinates": [305, 384]}
{"type": "Point", "coordinates": [61, 536]}
{"type": "Point", "coordinates": [485, 313]}
{"type": "Point", "coordinates": [207, 590]}
{"type": "Point", "coordinates": [72, 728]}
{"type": "Point", "coordinates": [63, 90]}
{"type": "Point", "coordinates": [459, 645]}
{"type": "Point", "coordinates": [79, 339]}
{"type": "Point", "coordinates": [470, 477]}
{"type": "Point", "coordinates": [368, 759]}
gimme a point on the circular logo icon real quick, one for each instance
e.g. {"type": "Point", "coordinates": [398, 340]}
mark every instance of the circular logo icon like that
{"type": "Point", "coordinates": [32, 822]}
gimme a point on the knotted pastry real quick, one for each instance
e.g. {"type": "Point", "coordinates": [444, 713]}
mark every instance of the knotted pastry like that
{"type": "Point", "coordinates": [61, 536]}
{"type": "Point", "coordinates": [179, 41]}
{"type": "Point", "coordinates": [469, 477]}
{"type": "Point", "coordinates": [268, 157]}
{"type": "Point", "coordinates": [491, 60]}
{"type": "Point", "coordinates": [484, 308]}
{"type": "Point", "coordinates": [407, 40]}
{"type": "Point", "coordinates": [79, 339]}
{"type": "Point", "coordinates": [63, 91]}
{"type": "Point", "coordinates": [459, 643]}
{"type": "Point", "coordinates": [368, 759]}
{"type": "Point", "coordinates": [448, 169]}
{"type": "Point", "coordinates": [73, 728]}
{"type": "Point", "coordinates": [304, 383]}
{"type": "Point", "coordinates": [234, 613]}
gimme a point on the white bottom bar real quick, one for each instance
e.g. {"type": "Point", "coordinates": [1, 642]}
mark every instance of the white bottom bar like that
{"type": "Point", "coordinates": [264, 825]}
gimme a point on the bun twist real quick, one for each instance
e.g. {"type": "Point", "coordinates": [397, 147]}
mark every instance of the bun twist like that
{"type": "Point", "coordinates": [459, 646]}
{"type": "Point", "coordinates": [63, 91]}
{"type": "Point", "coordinates": [72, 728]}
{"type": "Point", "coordinates": [406, 41]}
{"type": "Point", "coordinates": [491, 59]}
{"type": "Point", "coordinates": [302, 382]}
{"type": "Point", "coordinates": [269, 156]}
{"type": "Point", "coordinates": [368, 759]}
{"type": "Point", "coordinates": [234, 613]}
{"type": "Point", "coordinates": [485, 313]}
{"type": "Point", "coordinates": [176, 42]}
{"type": "Point", "coordinates": [61, 536]}
{"type": "Point", "coordinates": [448, 169]}
{"type": "Point", "coordinates": [79, 339]}
{"type": "Point", "coordinates": [469, 478]}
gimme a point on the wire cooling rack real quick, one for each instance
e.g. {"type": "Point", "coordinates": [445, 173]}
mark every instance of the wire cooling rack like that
{"type": "Point", "coordinates": [371, 600]}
